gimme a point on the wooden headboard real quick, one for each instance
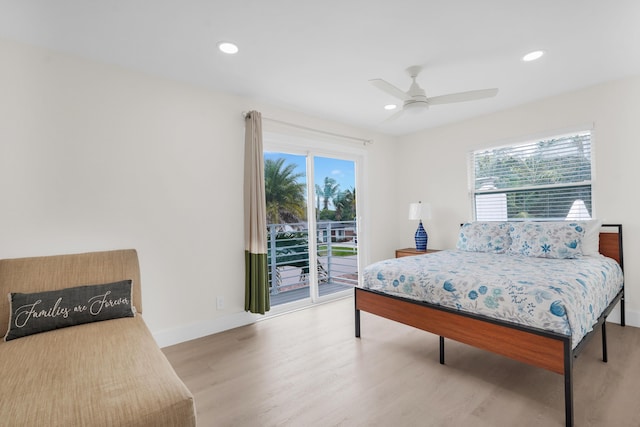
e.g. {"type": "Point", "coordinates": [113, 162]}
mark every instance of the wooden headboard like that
{"type": "Point", "coordinates": [611, 242]}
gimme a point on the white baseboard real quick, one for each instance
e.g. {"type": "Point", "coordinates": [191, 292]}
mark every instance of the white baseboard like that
{"type": "Point", "coordinates": [193, 331]}
{"type": "Point", "coordinates": [631, 317]}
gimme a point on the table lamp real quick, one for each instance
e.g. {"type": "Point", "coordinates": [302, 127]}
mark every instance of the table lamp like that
{"type": "Point", "coordinates": [419, 211]}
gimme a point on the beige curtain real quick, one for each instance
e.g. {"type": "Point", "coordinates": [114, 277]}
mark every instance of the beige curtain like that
{"type": "Point", "coordinates": [255, 221]}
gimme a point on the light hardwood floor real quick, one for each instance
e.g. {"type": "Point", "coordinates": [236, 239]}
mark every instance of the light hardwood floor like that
{"type": "Point", "coordinates": [306, 368]}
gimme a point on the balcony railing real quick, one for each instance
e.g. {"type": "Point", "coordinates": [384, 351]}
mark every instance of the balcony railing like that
{"type": "Point", "coordinates": [288, 259]}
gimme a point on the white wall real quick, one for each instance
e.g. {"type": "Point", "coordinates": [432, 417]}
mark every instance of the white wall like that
{"type": "Point", "coordinates": [95, 157]}
{"type": "Point", "coordinates": [433, 164]}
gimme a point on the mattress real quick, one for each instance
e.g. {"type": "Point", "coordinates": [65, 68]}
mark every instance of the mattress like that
{"type": "Point", "coordinates": [560, 295]}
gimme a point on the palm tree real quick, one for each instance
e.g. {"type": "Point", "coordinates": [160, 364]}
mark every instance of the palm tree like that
{"type": "Point", "coordinates": [284, 194]}
{"type": "Point", "coordinates": [350, 204]}
{"type": "Point", "coordinates": [345, 204]}
{"type": "Point", "coordinates": [329, 191]}
{"type": "Point", "coordinates": [318, 193]}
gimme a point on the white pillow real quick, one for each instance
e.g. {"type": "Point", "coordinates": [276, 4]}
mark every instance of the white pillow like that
{"type": "Point", "coordinates": [591, 239]}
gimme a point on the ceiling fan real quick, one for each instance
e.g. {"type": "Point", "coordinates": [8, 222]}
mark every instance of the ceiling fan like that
{"type": "Point", "coordinates": [416, 98]}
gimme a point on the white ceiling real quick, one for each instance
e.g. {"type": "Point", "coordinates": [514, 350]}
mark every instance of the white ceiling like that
{"type": "Point", "coordinates": [316, 57]}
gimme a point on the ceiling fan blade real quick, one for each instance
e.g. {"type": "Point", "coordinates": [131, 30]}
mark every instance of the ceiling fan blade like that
{"type": "Point", "coordinates": [390, 89]}
{"type": "Point", "coordinates": [463, 96]}
{"type": "Point", "coordinates": [394, 116]}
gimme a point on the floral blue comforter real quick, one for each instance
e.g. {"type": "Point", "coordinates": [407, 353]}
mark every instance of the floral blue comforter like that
{"type": "Point", "coordinates": [561, 295]}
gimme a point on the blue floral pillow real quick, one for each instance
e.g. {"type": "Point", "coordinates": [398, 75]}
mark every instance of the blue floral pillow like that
{"type": "Point", "coordinates": [547, 239]}
{"type": "Point", "coordinates": [484, 237]}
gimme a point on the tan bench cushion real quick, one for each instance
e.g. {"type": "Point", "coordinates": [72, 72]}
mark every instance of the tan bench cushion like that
{"type": "Point", "coordinates": [108, 373]}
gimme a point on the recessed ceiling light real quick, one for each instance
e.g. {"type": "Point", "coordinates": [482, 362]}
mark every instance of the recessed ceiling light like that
{"type": "Point", "coordinates": [228, 47]}
{"type": "Point", "coordinates": [390, 107]}
{"type": "Point", "coordinates": [532, 56]}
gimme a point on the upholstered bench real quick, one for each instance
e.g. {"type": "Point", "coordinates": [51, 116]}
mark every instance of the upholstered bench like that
{"type": "Point", "coordinates": [96, 373]}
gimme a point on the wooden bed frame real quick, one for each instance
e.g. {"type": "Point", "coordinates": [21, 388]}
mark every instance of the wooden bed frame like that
{"type": "Point", "coordinates": [537, 347]}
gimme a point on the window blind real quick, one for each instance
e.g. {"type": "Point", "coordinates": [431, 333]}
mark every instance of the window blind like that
{"type": "Point", "coordinates": [546, 179]}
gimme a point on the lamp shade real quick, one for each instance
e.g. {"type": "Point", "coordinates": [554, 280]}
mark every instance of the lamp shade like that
{"type": "Point", "coordinates": [578, 211]}
{"type": "Point", "coordinates": [419, 211]}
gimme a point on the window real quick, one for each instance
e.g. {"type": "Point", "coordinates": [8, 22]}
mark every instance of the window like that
{"type": "Point", "coordinates": [543, 179]}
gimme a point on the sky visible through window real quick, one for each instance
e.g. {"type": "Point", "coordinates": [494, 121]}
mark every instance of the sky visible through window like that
{"type": "Point", "coordinates": [343, 171]}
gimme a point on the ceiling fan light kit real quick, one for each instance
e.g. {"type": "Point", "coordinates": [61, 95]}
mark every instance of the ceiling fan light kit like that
{"type": "Point", "coordinates": [416, 99]}
{"type": "Point", "coordinates": [415, 105]}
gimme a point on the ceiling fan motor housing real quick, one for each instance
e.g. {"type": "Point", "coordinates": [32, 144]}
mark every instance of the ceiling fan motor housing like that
{"type": "Point", "coordinates": [418, 97]}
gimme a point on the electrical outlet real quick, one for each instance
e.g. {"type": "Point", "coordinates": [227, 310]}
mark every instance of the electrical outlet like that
{"type": "Point", "coordinates": [220, 303]}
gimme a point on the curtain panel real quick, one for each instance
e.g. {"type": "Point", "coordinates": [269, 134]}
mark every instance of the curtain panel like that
{"type": "Point", "coordinates": [255, 222]}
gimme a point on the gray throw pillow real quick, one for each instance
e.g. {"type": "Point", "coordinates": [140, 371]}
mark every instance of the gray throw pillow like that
{"type": "Point", "coordinates": [44, 311]}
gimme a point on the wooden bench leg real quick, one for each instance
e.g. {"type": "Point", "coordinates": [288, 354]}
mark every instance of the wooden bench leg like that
{"type": "Point", "coordinates": [442, 350]}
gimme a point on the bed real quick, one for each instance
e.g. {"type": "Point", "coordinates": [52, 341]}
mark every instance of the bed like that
{"type": "Point", "coordinates": [546, 318]}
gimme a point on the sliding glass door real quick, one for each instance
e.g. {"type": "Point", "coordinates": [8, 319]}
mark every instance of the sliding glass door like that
{"type": "Point", "coordinates": [335, 223]}
{"type": "Point", "coordinates": [288, 252]}
{"type": "Point", "coordinates": [312, 225]}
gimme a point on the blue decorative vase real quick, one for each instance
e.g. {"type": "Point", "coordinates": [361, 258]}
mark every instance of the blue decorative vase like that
{"type": "Point", "coordinates": [421, 238]}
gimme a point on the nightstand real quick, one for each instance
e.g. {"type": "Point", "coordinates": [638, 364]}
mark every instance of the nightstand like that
{"type": "Point", "coordinates": [412, 251]}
